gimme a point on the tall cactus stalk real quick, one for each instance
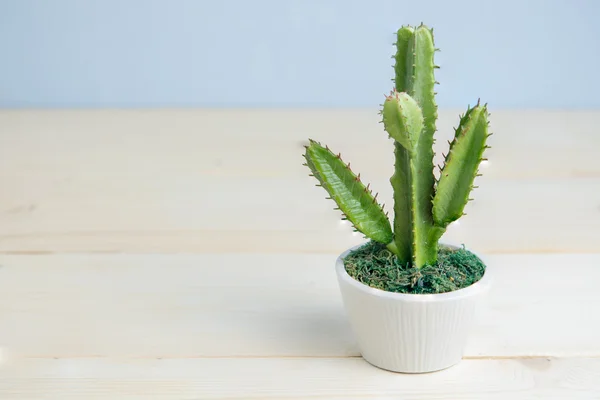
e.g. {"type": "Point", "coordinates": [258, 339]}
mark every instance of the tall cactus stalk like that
{"type": "Point", "coordinates": [422, 208]}
{"type": "Point", "coordinates": [413, 173]}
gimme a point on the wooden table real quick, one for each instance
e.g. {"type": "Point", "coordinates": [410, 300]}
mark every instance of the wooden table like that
{"type": "Point", "coordinates": [186, 254]}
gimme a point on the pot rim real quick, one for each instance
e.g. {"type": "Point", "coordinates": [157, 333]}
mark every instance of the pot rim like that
{"type": "Point", "coordinates": [480, 286]}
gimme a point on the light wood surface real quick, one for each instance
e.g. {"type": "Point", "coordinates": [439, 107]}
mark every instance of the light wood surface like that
{"type": "Point", "coordinates": [233, 181]}
{"type": "Point", "coordinates": [186, 254]}
{"type": "Point", "coordinates": [264, 305]}
{"type": "Point", "coordinates": [292, 379]}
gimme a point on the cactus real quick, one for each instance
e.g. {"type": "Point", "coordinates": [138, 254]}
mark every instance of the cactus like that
{"type": "Point", "coordinates": [423, 208]}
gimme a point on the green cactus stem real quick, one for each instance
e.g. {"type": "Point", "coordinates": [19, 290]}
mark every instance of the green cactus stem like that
{"type": "Point", "coordinates": [460, 167]}
{"type": "Point", "coordinates": [413, 180]}
{"type": "Point", "coordinates": [355, 200]}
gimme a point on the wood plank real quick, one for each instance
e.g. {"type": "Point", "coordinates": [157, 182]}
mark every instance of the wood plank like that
{"type": "Point", "coordinates": [232, 181]}
{"type": "Point", "coordinates": [180, 214]}
{"type": "Point", "coordinates": [236, 142]}
{"type": "Point", "coordinates": [265, 306]}
{"type": "Point", "coordinates": [350, 378]}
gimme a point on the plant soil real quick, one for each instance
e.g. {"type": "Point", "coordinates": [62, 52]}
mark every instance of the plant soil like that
{"type": "Point", "coordinates": [374, 265]}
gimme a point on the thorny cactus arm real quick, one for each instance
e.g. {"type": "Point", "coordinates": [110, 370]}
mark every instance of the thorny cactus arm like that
{"type": "Point", "coordinates": [402, 119]}
{"type": "Point", "coordinates": [460, 166]}
{"type": "Point", "coordinates": [352, 197]}
{"type": "Point", "coordinates": [413, 180]}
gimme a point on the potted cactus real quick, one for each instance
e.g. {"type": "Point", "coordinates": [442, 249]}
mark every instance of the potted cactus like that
{"type": "Point", "coordinates": [410, 299]}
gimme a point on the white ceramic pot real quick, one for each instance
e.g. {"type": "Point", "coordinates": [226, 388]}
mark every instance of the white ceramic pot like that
{"type": "Point", "coordinates": [410, 333]}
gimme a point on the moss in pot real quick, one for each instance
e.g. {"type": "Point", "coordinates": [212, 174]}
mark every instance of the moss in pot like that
{"type": "Point", "coordinates": [410, 299]}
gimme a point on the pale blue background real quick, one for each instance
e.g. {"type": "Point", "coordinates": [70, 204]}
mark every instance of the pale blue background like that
{"type": "Point", "coordinates": [292, 53]}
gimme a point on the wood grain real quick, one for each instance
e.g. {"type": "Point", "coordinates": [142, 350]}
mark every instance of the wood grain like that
{"type": "Point", "coordinates": [146, 306]}
{"type": "Point", "coordinates": [217, 280]}
{"type": "Point", "coordinates": [232, 181]}
{"type": "Point", "coordinates": [324, 378]}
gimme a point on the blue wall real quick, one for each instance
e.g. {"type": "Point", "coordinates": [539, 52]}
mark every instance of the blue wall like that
{"type": "Point", "coordinates": [264, 53]}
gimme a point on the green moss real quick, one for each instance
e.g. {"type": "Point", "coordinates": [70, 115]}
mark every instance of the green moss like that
{"type": "Point", "coordinates": [375, 266]}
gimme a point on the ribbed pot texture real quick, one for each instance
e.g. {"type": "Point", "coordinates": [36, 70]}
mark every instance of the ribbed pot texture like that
{"type": "Point", "coordinates": [411, 333]}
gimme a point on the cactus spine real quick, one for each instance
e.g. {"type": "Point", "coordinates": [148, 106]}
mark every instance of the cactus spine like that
{"type": "Point", "coordinates": [422, 208]}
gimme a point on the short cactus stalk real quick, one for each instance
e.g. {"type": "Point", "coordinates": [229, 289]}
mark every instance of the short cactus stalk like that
{"type": "Point", "coordinates": [423, 208]}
